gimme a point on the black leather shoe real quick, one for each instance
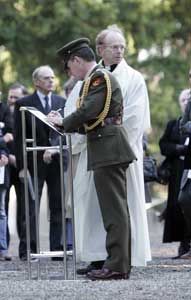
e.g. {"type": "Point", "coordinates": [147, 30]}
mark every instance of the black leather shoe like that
{"type": "Point", "coordinates": [84, 271]}
{"type": "Point", "coordinates": [183, 249]}
{"type": "Point", "coordinates": [186, 255]}
{"type": "Point", "coordinates": [106, 274]}
{"type": "Point", "coordinates": [23, 257]}
{"type": "Point", "coordinates": [94, 265]}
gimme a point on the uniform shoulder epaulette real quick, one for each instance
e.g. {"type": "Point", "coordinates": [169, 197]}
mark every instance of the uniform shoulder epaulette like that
{"type": "Point", "coordinates": [100, 118]}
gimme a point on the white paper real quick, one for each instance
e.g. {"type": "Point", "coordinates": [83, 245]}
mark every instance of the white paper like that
{"type": "Point", "coordinates": [2, 175]}
{"type": "Point", "coordinates": [43, 118]}
{"type": "Point", "coordinates": [186, 143]}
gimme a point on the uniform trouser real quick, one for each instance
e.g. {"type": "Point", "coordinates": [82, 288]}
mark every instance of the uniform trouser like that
{"type": "Point", "coordinates": [110, 182]}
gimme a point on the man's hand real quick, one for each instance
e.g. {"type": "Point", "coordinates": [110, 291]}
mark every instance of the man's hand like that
{"type": "Point", "coordinates": [3, 160]}
{"type": "Point", "coordinates": [55, 118]}
{"type": "Point", "coordinates": [22, 174]}
{"type": "Point", "coordinates": [8, 137]}
{"type": "Point", "coordinates": [47, 156]}
{"type": "Point", "coordinates": [12, 160]}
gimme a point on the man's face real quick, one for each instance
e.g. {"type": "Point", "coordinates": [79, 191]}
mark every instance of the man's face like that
{"type": "Point", "coordinates": [14, 95]}
{"type": "Point", "coordinates": [46, 81]}
{"type": "Point", "coordinates": [75, 68]}
{"type": "Point", "coordinates": [112, 51]}
{"type": "Point", "coordinates": [183, 102]}
{"type": "Point", "coordinates": [183, 99]}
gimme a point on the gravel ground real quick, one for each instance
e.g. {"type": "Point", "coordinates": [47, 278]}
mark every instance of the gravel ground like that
{"type": "Point", "coordinates": [163, 277]}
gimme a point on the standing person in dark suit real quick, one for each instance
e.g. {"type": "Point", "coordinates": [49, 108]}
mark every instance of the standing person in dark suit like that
{"type": "Point", "coordinates": [48, 161]}
{"type": "Point", "coordinates": [172, 146]}
{"type": "Point", "coordinates": [4, 178]}
{"type": "Point", "coordinates": [185, 187]}
{"type": "Point", "coordinates": [6, 137]}
{"type": "Point", "coordinates": [15, 92]}
{"type": "Point", "coordinates": [99, 114]}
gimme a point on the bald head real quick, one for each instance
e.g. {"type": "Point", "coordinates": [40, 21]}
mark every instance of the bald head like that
{"type": "Point", "coordinates": [110, 45]}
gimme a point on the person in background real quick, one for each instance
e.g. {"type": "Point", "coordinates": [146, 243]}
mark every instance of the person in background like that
{"type": "Point", "coordinates": [48, 162]}
{"type": "Point", "coordinates": [148, 198]}
{"type": "Point", "coordinates": [3, 216]}
{"type": "Point", "coordinates": [6, 137]}
{"type": "Point", "coordinates": [15, 92]}
{"type": "Point", "coordinates": [68, 87]}
{"type": "Point", "coordinates": [172, 146]}
{"type": "Point", "coordinates": [185, 196]}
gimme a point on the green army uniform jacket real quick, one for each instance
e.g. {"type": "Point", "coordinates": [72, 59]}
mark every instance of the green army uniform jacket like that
{"type": "Point", "coordinates": [106, 144]}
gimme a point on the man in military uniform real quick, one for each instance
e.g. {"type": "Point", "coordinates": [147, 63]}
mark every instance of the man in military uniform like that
{"type": "Point", "coordinates": [99, 115]}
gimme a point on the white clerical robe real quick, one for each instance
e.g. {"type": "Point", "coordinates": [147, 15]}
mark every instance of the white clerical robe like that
{"type": "Point", "coordinates": [136, 120]}
{"type": "Point", "coordinates": [90, 233]}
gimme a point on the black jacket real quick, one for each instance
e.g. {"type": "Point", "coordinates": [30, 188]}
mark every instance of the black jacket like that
{"type": "Point", "coordinates": [172, 146]}
{"type": "Point", "coordinates": [6, 126]}
{"type": "Point", "coordinates": [44, 135]}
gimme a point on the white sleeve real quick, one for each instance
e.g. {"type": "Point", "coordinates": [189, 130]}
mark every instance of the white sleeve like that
{"type": "Point", "coordinates": [136, 116]}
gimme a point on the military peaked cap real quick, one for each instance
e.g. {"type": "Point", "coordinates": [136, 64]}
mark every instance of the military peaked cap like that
{"type": "Point", "coordinates": [72, 47]}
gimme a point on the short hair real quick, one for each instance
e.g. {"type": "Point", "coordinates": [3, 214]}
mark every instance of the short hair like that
{"type": "Point", "coordinates": [86, 54]}
{"type": "Point", "coordinates": [37, 71]}
{"type": "Point", "coordinates": [102, 34]}
{"type": "Point", "coordinates": [18, 85]}
{"type": "Point", "coordinates": [184, 94]}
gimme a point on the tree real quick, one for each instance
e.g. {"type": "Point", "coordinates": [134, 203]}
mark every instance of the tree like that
{"type": "Point", "coordinates": [32, 31]}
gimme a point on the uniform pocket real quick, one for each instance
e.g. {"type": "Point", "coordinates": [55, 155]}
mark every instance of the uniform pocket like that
{"type": "Point", "coordinates": [103, 147]}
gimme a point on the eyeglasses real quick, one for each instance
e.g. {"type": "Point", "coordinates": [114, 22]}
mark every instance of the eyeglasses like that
{"type": "Point", "coordinates": [116, 47]}
{"type": "Point", "coordinates": [46, 78]}
{"type": "Point", "coordinates": [14, 97]}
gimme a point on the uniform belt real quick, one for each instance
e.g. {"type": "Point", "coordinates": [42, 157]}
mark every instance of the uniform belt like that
{"type": "Point", "coordinates": [117, 120]}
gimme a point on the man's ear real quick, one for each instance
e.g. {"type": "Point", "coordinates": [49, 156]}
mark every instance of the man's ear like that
{"type": "Point", "coordinates": [36, 83]}
{"type": "Point", "coordinates": [99, 49]}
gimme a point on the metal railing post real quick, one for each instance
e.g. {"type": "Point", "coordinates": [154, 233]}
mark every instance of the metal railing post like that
{"type": "Point", "coordinates": [26, 195]}
{"type": "Point", "coordinates": [36, 194]}
{"type": "Point", "coordinates": [72, 207]}
{"type": "Point", "coordinates": [28, 186]}
{"type": "Point", "coordinates": [63, 207]}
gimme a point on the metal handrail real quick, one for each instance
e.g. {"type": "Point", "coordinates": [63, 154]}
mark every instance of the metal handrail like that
{"type": "Point", "coordinates": [35, 149]}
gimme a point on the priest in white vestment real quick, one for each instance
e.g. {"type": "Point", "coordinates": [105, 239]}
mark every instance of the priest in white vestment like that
{"type": "Point", "coordinates": [90, 233]}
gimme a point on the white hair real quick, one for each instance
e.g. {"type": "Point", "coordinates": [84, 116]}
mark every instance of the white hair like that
{"type": "Point", "coordinates": [186, 93]}
{"type": "Point", "coordinates": [37, 72]}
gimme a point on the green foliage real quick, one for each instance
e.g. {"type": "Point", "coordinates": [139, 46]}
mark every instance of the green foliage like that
{"type": "Point", "coordinates": [32, 31]}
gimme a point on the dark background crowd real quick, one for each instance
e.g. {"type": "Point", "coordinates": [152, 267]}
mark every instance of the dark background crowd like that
{"type": "Point", "coordinates": [157, 61]}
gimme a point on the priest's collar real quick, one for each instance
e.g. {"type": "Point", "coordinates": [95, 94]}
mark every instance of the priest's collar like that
{"type": "Point", "coordinates": [110, 68]}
